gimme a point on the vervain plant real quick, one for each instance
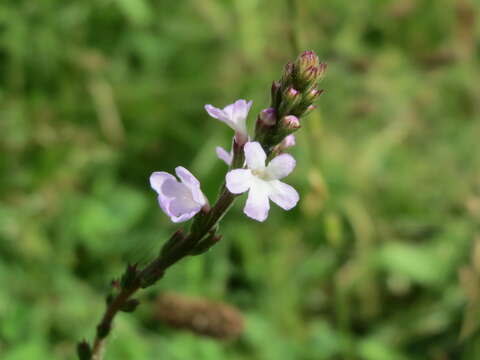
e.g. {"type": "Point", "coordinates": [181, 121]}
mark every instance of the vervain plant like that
{"type": "Point", "coordinates": [256, 165]}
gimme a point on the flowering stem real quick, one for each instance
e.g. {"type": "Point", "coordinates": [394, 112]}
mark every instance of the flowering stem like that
{"type": "Point", "coordinates": [292, 98]}
{"type": "Point", "coordinates": [176, 248]}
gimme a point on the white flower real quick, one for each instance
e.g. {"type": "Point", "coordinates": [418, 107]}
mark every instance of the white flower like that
{"type": "Point", "coordinates": [234, 115]}
{"type": "Point", "coordinates": [179, 200]}
{"type": "Point", "coordinates": [262, 182]}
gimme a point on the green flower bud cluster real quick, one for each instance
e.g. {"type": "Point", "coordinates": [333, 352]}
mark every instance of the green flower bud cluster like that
{"type": "Point", "coordinates": [292, 98]}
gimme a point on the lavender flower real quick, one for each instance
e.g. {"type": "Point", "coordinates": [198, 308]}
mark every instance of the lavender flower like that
{"type": "Point", "coordinates": [179, 200]}
{"type": "Point", "coordinates": [262, 182]}
{"type": "Point", "coordinates": [234, 115]}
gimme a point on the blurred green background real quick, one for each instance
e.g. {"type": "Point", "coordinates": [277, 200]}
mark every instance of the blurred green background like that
{"type": "Point", "coordinates": [378, 261]}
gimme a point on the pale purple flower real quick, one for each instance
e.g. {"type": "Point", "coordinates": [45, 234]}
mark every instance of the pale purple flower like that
{"type": "Point", "coordinates": [224, 155]}
{"type": "Point", "coordinates": [262, 182]}
{"type": "Point", "coordinates": [180, 200]}
{"type": "Point", "coordinates": [235, 116]}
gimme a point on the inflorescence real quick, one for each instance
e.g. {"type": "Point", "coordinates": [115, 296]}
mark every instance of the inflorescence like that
{"type": "Point", "coordinates": [256, 165]}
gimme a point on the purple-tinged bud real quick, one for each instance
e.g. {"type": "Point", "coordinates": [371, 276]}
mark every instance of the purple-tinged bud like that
{"type": "Point", "coordinates": [322, 68]}
{"type": "Point", "coordinates": [286, 126]}
{"type": "Point", "coordinates": [312, 95]}
{"type": "Point", "coordinates": [268, 117]}
{"type": "Point", "coordinates": [307, 59]}
{"type": "Point", "coordinates": [291, 94]}
{"type": "Point", "coordinates": [275, 93]}
{"type": "Point", "coordinates": [308, 70]}
{"type": "Point", "coordinates": [288, 74]}
{"type": "Point", "coordinates": [310, 74]}
{"type": "Point", "coordinates": [266, 121]}
{"type": "Point", "coordinates": [291, 98]}
{"type": "Point", "coordinates": [309, 110]}
{"type": "Point", "coordinates": [275, 87]}
{"type": "Point", "coordinates": [290, 123]}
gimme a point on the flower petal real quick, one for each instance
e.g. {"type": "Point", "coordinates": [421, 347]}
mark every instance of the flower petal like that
{"type": "Point", "coordinates": [192, 184]}
{"type": "Point", "coordinates": [221, 115]}
{"type": "Point", "coordinates": [182, 206]}
{"type": "Point", "coordinates": [216, 113]}
{"type": "Point", "coordinates": [283, 194]}
{"type": "Point", "coordinates": [257, 205]}
{"type": "Point", "coordinates": [289, 141]}
{"type": "Point", "coordinates": [177, 201]}
{"type": "Point", "coordinates": [224, 155]}
{"type": "Point", "coordinates": [234, 115]}
{"type": "Point", "coordinates": [255, 156]}
{"type": "Point", "coordinates": [229, 111]}
{"type": "Point", "coordinates": [239, 180]}
{"type": "Point", "coordinates": [280, 166]}
{"type": "Point", "coordinates": [240, 109]}
{"type": "Point", "coordinates": [184, 217]}
{"type": "Point", "coordinates": [237, 114]}
{"type": "Point", "coordinates": [158, 178]}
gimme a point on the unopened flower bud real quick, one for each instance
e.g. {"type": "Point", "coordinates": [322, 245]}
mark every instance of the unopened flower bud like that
{"type": "Point", "coordinates": [312, 95]}
{"type": "Point", "coordinates": [288, 74]}
{"type": "Point", "coordinates": [268, 117]}
{"type": "Point", "coordinates": [321, 70]}
{"type": "Point", "coordinates": [265, 123]}
{"type": "Point", "coordinates": [291, 123]}
{"type": "Point", "coordinates": [291, 94]}
{"type": "Point", "coordinates": [306, 60]}
{"type": "Point", "coordinates": [287, 125]}
{"type": "Point", "coordinates": [275, 93]}
{"type": "Point", "coordinates": [309, 110]}
{"type": "Point", "coordinates": [310, 74]}
{"type": "Point", "coordinates": [290, 99]}
{"type": "Point", "coordinates": [308, 70]}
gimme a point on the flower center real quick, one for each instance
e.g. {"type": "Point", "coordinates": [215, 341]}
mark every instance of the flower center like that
{"type": "Point", "coordinates": [261, 173]}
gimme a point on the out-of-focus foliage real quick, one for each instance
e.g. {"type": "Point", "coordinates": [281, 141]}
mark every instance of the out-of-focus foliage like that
{"type": "Point", "coordinates": [95, 95]}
